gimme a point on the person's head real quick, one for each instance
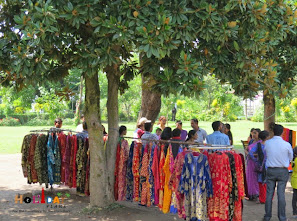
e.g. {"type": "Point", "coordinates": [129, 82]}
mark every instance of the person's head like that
{"type": "Point", "coordinates": [223, 128]}
{"type": "Point", "coordinates": [216, 126]}
{"type": "Point", "coordinates": [148, 126]}
{"type": "Point", "coordinates": [194, 124]}
{"type": "Point", "coordinates": [255, 133]}
{"type": "Point", "coordinates": [263, 135]}
{"type": "Point", "coordinates": [162, 120]}
{"type": "Point", "coordinates": [58, 122]}
{"type": "Point", "coordinates": [166, 133]}
{"type": "Point", "coordinates": [84, 124]}
{"type": "Point", "coordinates": [278, 130]}
{"type": "Point", "coordinates": [141, 123]}
{"type": "Point", "coordinates": [179, 124]}
{"type": "Point", "coordinates": [192, 135]}
{"type": "Point", "coordinates": [82, 118]}
{"type": "Point", "coordinates": [227, 127]}
{"type": "Point", "coordinates": [251, 132]}
{"type": "Point", "coordinates": [104, 131]}
{"type": "Point", "coordinates": [123, 130]}
{"type": "Point", "coordinates": [176, 132]}
{"type": "Point", "coordinates": [158, 131]}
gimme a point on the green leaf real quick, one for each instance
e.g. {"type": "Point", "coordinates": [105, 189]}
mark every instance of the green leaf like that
{"type": "Point", "coordinates": [236, 46]}
{"type": "Point", "coordinates": [70, 6]}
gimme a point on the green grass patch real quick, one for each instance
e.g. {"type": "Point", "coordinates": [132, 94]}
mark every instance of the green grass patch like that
{"type": "Point", "coordinates": [12, 137]}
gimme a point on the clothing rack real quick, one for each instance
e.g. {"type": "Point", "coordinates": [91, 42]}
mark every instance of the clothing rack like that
{"type": "Point", "coordinates": [54, 130]}
{"type": "Point", "coordinates": [198, 145]}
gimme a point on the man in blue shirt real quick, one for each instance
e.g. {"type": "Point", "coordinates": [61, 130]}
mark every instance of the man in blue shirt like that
{"type": "Point", "coordinates": [217, 138]}
{"type": "Point", "coordinates": [279, 154]}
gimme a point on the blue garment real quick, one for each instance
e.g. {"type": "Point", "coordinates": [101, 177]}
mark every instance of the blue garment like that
{"type": "Point", "coordinates": [50, 159]}
{"type": "Point", "coordinates": [279, 152]}
{"type": "Point", "coordinates": [129, 175]}
{"type": "Point", "coordinates": [149, 136]}
{"type": "Point", "coordinates": [201, 135]}
{"type": "Point", "coordinates": [196, 184]}
{"type": "Point", "coordinates": [218, 138]}
{"type": "Point", "coordinates": [84, 134]}
{"type": "Point", "coordinates": [151, 175]}
{"type": "Point", "coordinates": [252, 153]}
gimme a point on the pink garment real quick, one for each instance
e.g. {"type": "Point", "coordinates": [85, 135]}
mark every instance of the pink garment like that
{"type": "Point", "coordinates": [155, 169]}
{"type": "Point", "coordinates": [123, 170]}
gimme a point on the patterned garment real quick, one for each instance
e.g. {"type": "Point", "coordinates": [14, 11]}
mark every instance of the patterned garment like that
{"type": "Point", "coordinates": [116, 172]}
{"type": "Point", "coordinates": [151, 176]}
{"type": "Point", "coordinates": [218, 205]}
{"type": "Point", "coordinates": [162, 176]}
{"type": "Point", "coordinates": [87, 180]}
{"type": "Point", "coordinates": [81, 162]}
{"type": "Point", "coordinates": [34, 178]}
{"type": "Point", "coordinates": [168, 168]}
{"type": "Point", "coordinates": [129, 175]}
{"type": "Point", "coordinates": [25, 151]}
{"type": "Point", "coordinates": [62, 147]}
{"type": "Point", "coordinates": [135, 170]}
{"type": "Point", "coordinates": [57, 153]}
{"type": "Point", "coordinates": [40, 158]}
{"type": "Point", "coordinates": [233, 197]}
{"type": "Point", "coordinates": [196, 184]}
{"type": "Point", "coordinates": [50, 159]}
{"type": "Point", "coordinates": [122, 170]}
{"type": "Point", "coordinates": [144, 180]}
{"type": "Point", "coordinates": [155, 171]}
{"type": "Point", "coordinates": [72, 164]}
{"type": "Point", "coordinates": [174, 183]}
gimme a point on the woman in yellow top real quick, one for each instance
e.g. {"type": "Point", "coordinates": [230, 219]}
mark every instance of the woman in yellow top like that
{"type": "Point", "coordinates": [294, 183]}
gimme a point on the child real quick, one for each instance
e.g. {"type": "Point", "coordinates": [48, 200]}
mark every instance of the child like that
{"type": "Point", "coordinates": [158, 132]}
{"type": "Point", "coordinates": [294, 183]}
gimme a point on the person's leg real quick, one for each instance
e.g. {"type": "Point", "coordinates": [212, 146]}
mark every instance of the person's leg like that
{"type": "Point", "coordinates": [283, 176]}
{"type": "Point", "coordinates": [271, 181]}
{"type": "Point", "coordinates": [294, 201]}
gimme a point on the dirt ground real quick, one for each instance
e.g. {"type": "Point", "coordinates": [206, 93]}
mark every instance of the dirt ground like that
{"type": "Point", "coordinates": [13, 183]}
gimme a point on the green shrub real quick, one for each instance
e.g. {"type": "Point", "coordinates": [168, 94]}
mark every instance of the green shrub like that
{"type": "Point", "coordinates": [68, 121]}
{"type": "Point", "coordinates": [39, 122]}
{"type": "Point", "coordinates": [9, 121]}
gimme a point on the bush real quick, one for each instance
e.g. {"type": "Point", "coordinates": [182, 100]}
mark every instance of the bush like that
{"type": "Point", "coordinates": [39, 122]}
{"type": "Point", "coordinates": [258, 115]}
{"type": "Point", "coordinates": [9, 121]}
{"type": "Point", "coordinates": [68, 121]}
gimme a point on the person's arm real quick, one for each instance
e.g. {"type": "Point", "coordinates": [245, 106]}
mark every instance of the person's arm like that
{"type": "Point", "coordinates": [290, 152]}
{"type": "Point", "coordinates": [252, 152]}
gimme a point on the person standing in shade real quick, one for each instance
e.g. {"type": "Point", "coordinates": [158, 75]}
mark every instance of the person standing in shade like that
{"type": "Point", "coordinates": [79, 127]}
{"type": "Point", "coordinates": [184, 133]}
{"type": "Point", "coordinates": [217, 138]}
{"type": "Point", "coordinates": [148, 136]}
{"type": "Point", "coordinates": [279, 154]}
{"type": "Point", "coordinates": [200, 132]}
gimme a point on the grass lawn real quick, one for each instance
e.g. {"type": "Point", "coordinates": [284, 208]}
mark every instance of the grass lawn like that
{"type": "Point", "coordinates": [12, 137]}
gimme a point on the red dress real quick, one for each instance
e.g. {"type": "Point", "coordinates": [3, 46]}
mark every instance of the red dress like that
{"type": "Point", "coordinates": [135, 171]}
{"type": "Point", "coordinates": [162, 176]}
{"type": "Point", "coordinates": [122, 169]}
{"type": "Point", "coordinates": [116, 171]}
{"type": "Point", "coordinates": [155, 169]}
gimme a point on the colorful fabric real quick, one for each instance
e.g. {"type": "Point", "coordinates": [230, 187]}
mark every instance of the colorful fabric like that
{"type": "Point", "coordinates": [25, 151]}
{"type": "Point", "coordinates": [155, 171]}
{"type": "Point", "coordinates": [62, 147]}
{"type": "Point", "coordinates": [116, 172]}
{"type": "Point", "coordinates": [40, 159]}
{"type": "Point", "coordinates": [151, 180]}
{"type": "Point", "coordinates": [129, 175]}
{"type": "Point", "coordinates": [122, 169]}
{"type": "Point", "coordinates": [251, 175]}
{"type": "Point", "coordinates": [218, 205]}
{"type": "Point", "coordinates": [33, 171]}
{"type": "Point", "coordinates": [135, 170]}
{"type": "Point", "coordinates": [144, 174]}
{"type": "Point", "coordinates": [50, 159]}
{"type": "Point", "coordinates": [262, 192]}
{"type": "Point", "coordinates": [168, 168]}
{"type": "Point", "coordinates": [162, 176]}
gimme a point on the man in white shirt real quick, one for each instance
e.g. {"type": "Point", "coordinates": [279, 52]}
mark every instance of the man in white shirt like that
{"type": "Point", "coordinates": [79, 127]}
{"type": "Point", "coordinates": [200, 132]}
{"type": "Point", "coordinates": [279, 154]}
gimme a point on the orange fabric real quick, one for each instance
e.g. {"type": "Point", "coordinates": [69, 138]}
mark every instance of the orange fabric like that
{"type": "Point", "coordinates": [262, 192]}
{"type": "Point", "coordinates": [167, 190]}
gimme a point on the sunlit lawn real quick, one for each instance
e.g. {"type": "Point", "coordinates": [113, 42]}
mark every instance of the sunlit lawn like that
{"type": "Point", "coordinates": [11, 137]}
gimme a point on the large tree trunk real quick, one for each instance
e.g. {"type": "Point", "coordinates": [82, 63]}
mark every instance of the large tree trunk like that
{"type": "Point", "coordinates": [79, 101]}
{"type": "Point", "coordinates": [98, 181]}
{"type": "Point", "coordinates": [269, 109]}
{"type": "Point", "coordinates": [150, 101]}
{"type": "Point", "coordinates": [113, 75]}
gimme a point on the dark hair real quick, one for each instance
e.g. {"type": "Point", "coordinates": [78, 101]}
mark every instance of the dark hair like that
{"type": "Point", "coordinates": [58, 120]}
{"type": "Point", "coordinates": [104, 131]}
{"type": "Point", "coordinates": [278, 129]}
{"type": "Point", "coordinates": [257, 129]}
{"type": "Point", "coordinates": [176, 132]}
{"type": "Point", "coordinates": [191, 134]}
{"type": "Point", "coordinates": [215, 125]}
{"type": "Point", "coordinates": [147, 126]}
{"type": "Point", "coordinates": [82, 116]}
{"type": "Point", "coordinates": [166, 133]}
{"type": "Point", "coordinates": [158, 129]}
{"type": "Point", "coordinates": [251, 132]}
{"type": "Point", "coordinates": [195, 120]}
{"type": "Point", "coordinates": [84, 124]}
{"type": "Point", "coordinates": [228, 126]}
{"type": "Point", "coordinates": [179, 122]}
{"type": "Point", "coordinates": [263, 135]}
{"type": "Point", "coordinates": [122, 129]}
